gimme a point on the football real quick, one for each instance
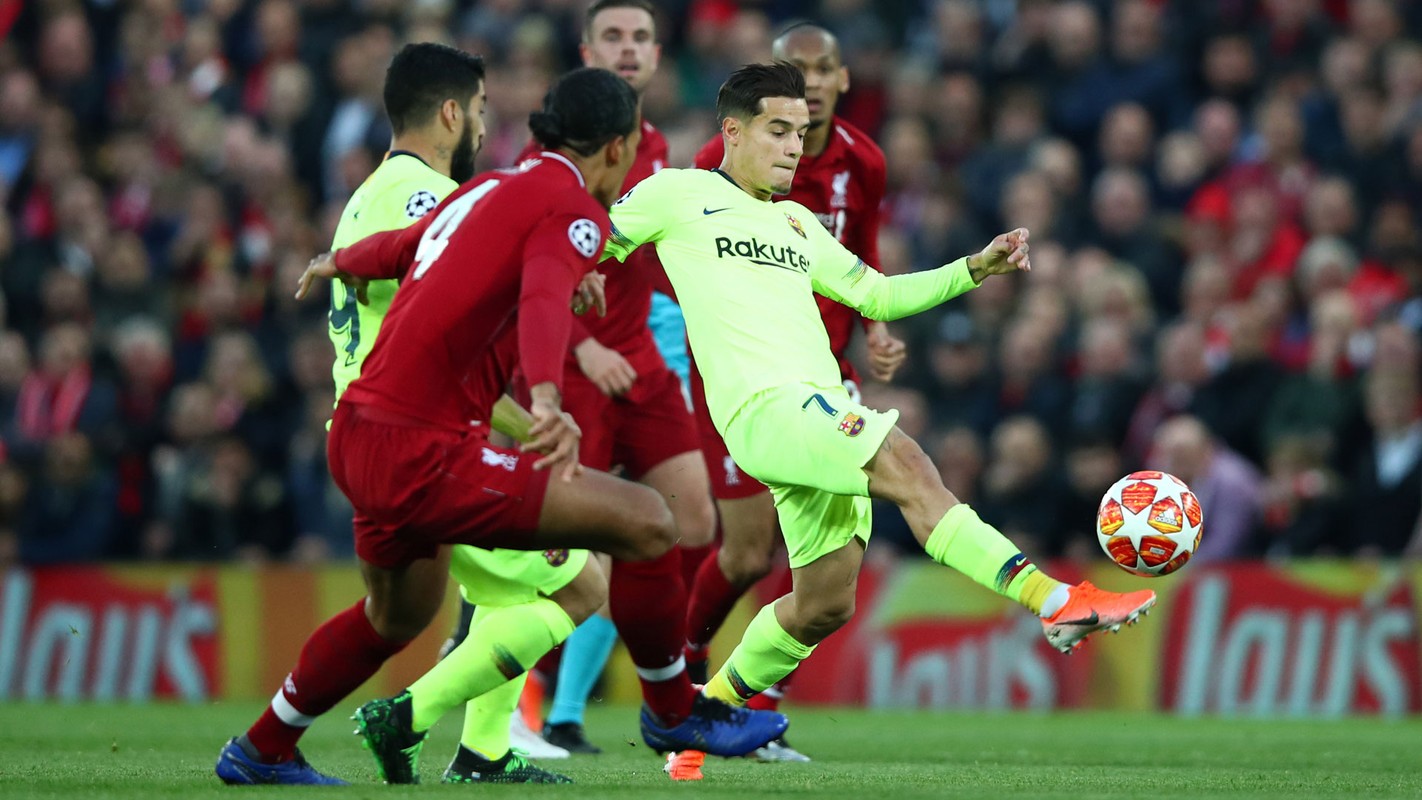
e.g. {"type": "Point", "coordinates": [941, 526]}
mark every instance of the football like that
{"type": "Point", "coordinates": [1149, 523]}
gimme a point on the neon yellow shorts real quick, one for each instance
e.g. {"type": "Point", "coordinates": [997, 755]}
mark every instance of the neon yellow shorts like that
{"type": "Point", "coordinates": [809, 444]}
{"type": "Point", "coordinates": [508, 577]}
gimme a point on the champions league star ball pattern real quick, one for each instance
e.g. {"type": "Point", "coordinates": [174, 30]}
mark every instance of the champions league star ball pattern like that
{"type": "Point", "coordinates": [420, 204]}
{"type": "Point", "coordinates": [1149, 523]}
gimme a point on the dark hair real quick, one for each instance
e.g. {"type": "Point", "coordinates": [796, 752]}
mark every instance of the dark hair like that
{"type": "Point", "coordinates": [741, 94]}
{"type": "Point", "coordinates": [584, 110]}
{"type": "Point", "coordinates": [603, 5]}
{"type": "Point", "coordinates": [422, 76]}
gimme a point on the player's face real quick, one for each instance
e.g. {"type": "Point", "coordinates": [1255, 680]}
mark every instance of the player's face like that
{"type": "Point", "coordinates": [774, 141]}
{"type": "Point", "coordinates": [471, 140]}
{"type": "Point", "coordinates": [623, 40]}
{"type": "Point", "coordinates": [826, 78]}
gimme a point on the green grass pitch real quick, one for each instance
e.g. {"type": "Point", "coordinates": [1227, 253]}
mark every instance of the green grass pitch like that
{"type": "Point", "coordinates": [98, 752]}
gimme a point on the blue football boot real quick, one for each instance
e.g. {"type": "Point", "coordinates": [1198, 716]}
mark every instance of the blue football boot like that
{"type": "Point", "coordinates": [714, 727]}
{"type": "Point", "coordinates": [236, 767]}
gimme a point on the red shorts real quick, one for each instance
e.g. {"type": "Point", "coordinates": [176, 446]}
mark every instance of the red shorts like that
{"type": "Point", "coordinates": [415, 488]}
{"type": "Point", "coordinates": [639, 430]}
{"type": "Point", "coordinates": [728, 482]}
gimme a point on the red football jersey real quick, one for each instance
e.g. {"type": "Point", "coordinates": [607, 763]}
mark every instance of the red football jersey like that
{"type": "Point", "coordinates": [629, 285]}
{"type": "Point", "coordinates": [844, 187]}
{"type": "Point", "coordinates": [506, 249]}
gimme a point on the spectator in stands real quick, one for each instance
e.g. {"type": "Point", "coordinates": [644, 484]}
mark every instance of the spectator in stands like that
{"type": "Point", "coordinates": [1233, 402]}
{"type": "Point", "coordinates": [1093, 463]}
{"type": "Point", "coordinates": [1229, 487]}
{"type": "Point", "coordinates": [1386, 495]}
{"type": "Point", "coordinates": [14, 368]}
{"type": "Point", "coordinates": [1018, 125]}
{"type": "Point", "coordinates": [960, 459]}
{"type": "Point", "coordinates": [61, 394]}
{"type": "Point", "coordinates": [191, 429]}
{"type": "Point", "coordinates": [69, 511]}
{"type": "Point", "coordinates": [1367, 156]}
{"type": "Point", "coordinates": [66, 68]}
{"type": "Point", "coordinates": [1021, 488]}
{"type": "Point", "coordinates": [142, 350]}
{"type": "Point", "coordinates": [125, 287]}
{"type": "Point", "coordinates": [246, 396]}
{"type": "Point", "coordinates": [1230, 69]}
{"type": "Point", "coordinates": [19, 119]}
{"type": "Point", "coordinates": [1302, 498]}
{"type": "Point", "coordinates": [1027, 381]}
{"type": "Point", "coordinates": [1107, 386]}
{"type": "Point", "coordinates": [1121, 211]}
{"type": "Point", "coordinates": [1180, 371]}
{"type": "Point", "coordinates": [1127, 137]}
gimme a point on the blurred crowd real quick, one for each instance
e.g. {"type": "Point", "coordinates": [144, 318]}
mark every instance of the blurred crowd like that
{"type": "Point", "coordinates": [1224, 198]}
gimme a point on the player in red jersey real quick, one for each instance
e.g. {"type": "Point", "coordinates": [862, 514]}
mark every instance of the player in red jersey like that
{"type": "Point", "coordinates": [487, 274]}
{"type": "Point", "coordinates": [632, 413]}
{"type": "Point", "coordinates": [841, 179]}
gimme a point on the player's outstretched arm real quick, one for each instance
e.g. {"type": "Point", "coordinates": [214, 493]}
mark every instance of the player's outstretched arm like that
{"type": "Point", "coordinates": [380, 256]}
{"type": "Point", "coordinates": [886, 298]}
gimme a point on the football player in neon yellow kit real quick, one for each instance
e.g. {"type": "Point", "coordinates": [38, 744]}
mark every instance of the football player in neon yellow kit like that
{"type": "Point", "coordinates": [397, 194]}
{"type": "Point", "coordinates": [745, 270]}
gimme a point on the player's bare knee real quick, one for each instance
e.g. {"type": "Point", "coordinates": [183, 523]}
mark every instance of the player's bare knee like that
{"type": "Point", "coordinates": [584, 595]}
{"type": "Point", "coordinates": [902, 473]}
{"type": "Point", "coordinates": [653, 530]}
{"type": "Point", "coordinates": [744, 566]}
{"type": "Point", "coordinates": [398, 624]}
{"type": "Point", "coordinates": [696, 523]}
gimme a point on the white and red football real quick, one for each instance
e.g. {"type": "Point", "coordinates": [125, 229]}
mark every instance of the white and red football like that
{"type": "Point", "coordinates": [1149, 523]}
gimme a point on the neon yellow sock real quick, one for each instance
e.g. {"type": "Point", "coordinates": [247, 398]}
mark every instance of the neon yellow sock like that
{"type": "Point", "coordinates": [765, 655]}
{"type": "Point", "coordinates": [486, 719]}
{"type": "Point", "coordinates": [964, 542]}
{"type": "Point", "coordinates": [502, 647]}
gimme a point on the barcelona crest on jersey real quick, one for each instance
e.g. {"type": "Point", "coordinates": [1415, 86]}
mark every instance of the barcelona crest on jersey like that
{"type": "Point", "coordinates": [852, 425]}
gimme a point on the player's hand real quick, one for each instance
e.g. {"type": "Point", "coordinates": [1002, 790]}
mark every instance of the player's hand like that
{"type": "Point", "coordinates": [556, 435]}
{"type": "Point", "coordinates": [605, 367]}
{"type": "Point", "coordinates": [1006, 253]}
{"type": "Point", "coordinates": [591, 293]}
{"type": "Point", "coordinates": [324, 267]}
{"type": "Point", "coordinates": [886, 352]}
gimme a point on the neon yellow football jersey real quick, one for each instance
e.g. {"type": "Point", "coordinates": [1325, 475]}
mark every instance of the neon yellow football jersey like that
{"type": "Point", "coordinates": [746, 272]}
{"type": "Point", "coordinates": [400, 191]}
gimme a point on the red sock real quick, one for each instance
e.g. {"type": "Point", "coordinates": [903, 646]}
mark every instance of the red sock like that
{"type": "Point", "coordinates": [640, 594]}
{"type": "Point", "coordinates": [712, 598]}
{"type": "Point", "coordinates": [691, 558]}
{"type": "Point", "coordinates": [337, 658]}
{"type": "Point", "coordinates": [769, 700]}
